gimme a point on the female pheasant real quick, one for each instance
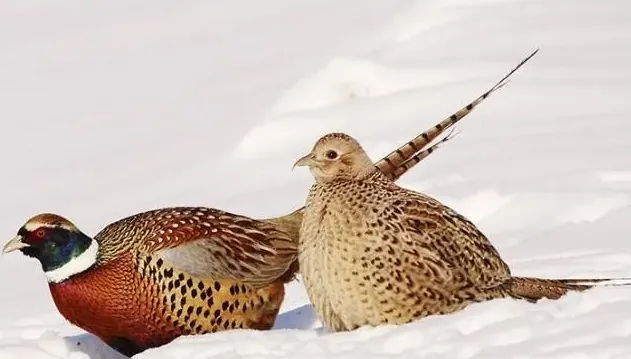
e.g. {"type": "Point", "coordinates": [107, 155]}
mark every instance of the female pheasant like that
{"type": "Point", "coordinates": [374, 253]}
{"type": "Point", "coordinates": [147, 279]}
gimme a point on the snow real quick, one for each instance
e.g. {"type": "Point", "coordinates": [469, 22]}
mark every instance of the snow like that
{"type": "Point", "coordinates": [110, 108]}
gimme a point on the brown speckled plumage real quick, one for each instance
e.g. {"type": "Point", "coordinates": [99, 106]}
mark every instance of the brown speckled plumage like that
{"type": "Point", "coordinates": [372, 252]}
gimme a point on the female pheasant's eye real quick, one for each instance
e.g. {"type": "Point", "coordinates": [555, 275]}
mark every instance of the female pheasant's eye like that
{"type": "Point", "coordinates": [330, 154]}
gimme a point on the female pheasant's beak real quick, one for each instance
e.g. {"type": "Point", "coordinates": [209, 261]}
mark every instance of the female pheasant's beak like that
{"type": "Point", "coordinates": [308, 160]}
{"type": "Point", "coordinates": [14, 244]}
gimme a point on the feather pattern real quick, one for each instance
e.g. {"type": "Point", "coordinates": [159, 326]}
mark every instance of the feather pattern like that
{"type": "Point", "coordinates": [204, 241]}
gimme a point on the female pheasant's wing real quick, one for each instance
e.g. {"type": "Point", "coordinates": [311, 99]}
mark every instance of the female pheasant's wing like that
{"type": "Point", "coordinates": [206, 242]}
{"type": "Point", "coordinates": [456, 241]}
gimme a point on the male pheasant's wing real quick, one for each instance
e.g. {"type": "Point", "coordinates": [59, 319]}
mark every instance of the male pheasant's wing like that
{"type": "Point", "coordinates": [455, 241]}
{"type": "Point", "coordinates": [207, 243]}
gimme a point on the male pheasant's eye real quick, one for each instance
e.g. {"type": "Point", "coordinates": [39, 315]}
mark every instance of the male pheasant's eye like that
{"type": "Point", "coordinates": [40, 233]}
{"type": "Point", "coordinates": [330, 154]}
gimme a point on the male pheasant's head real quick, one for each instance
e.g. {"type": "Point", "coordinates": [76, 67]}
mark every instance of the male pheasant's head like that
{"type": "Point", "coordinates": [337, 156]}
{"type": "Point", "coordinates": [60, 247]}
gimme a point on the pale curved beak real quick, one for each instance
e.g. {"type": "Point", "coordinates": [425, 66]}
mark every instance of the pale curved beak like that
{"type": "Point", "coordinates": [307, 160]}
{"type": "Point", "coordinates": [14, 244]}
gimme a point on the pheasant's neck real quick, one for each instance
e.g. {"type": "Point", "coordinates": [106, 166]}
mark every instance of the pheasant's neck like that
{"type": "Point", "coordinates": [77, 260]}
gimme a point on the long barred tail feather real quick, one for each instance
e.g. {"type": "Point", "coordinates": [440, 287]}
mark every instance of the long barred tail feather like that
{"type": "Point", "coordinates": [394, 163]}
{"type": "Point", "coordinates": [414, 160]}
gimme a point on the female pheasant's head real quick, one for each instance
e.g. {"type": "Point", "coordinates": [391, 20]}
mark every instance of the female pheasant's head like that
{"type": "Point", "coordinates": [60, 247]}
{"type": "Point", "coordinates": [337, 156]}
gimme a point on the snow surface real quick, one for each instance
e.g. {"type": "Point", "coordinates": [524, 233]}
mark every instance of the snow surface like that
{"type": "Point", "coordinates": [114, 107]}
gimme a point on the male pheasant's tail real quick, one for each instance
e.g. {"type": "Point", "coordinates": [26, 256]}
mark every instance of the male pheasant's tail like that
{"type": "Point", "coordinates": [399, 161]}
{"type": "Point", "coordinates": [289, 223]}
{"type": "Point", "coordinates": [533, 289]}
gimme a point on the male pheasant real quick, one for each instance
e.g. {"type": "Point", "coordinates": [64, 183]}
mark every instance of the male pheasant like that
{"type": "Point", "coordinates": [147, 279]}
{"type": "Point", "coordinates": [372, 252]}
